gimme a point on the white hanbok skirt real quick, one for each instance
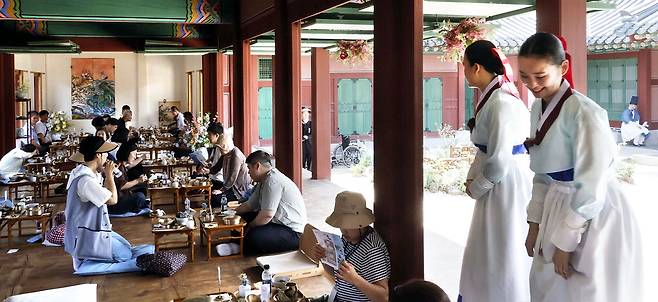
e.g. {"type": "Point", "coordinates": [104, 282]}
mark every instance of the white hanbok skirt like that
{"type": "Point", "coordinates": [496, 265]}
{"type": "Point", "coordinates": [630, 131]}
{"type": "Point", "coordinates": [607, 261]}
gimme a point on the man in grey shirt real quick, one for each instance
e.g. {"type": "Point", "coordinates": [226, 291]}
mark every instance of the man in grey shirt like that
{"type": "Point", "coordinates": [275, 212]}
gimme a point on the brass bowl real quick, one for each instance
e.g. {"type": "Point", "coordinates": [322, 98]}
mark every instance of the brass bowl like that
{"type": "Point", "coordinates": [231, 220]}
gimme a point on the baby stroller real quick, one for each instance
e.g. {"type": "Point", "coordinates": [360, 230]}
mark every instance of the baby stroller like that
{"type": "Point", "coordinates": [347, 153]}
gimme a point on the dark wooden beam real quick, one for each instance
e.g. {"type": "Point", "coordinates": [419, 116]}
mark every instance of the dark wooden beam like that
{"type": "Point", "coordinates": [398, 76]}
{"type": "Point", "coordinates": [287, 95]}
{"type": "Point", "coordinates": [303, 9]}
{"type": "Point", "coordinates": [127, 44]}
{"type": "Point", "coordinates": [7, 104]}
{"type": "Point", "coordinates": [264, 23]}
{"type": "Point", "coordinates": [213, 83]}
{"type": "Point", "coordinates": [163, 11]}
{"type": "Point", "coordinates": [321, 113]}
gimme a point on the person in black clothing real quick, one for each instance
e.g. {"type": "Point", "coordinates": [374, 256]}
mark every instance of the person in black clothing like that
{"type": "Point", "coordinates": [111, 126]}
{"type": "Point", "coordinates": [98, 123]}
{"type": "Point", "coordinates": [307, 147]}
{"type": "Point", "coordinates": [131, 183]}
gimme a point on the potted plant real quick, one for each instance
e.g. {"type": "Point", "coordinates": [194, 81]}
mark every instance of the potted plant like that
{"type": "Point", "coordinates": [58, 124]}
{"type": "Point", "coordinates": [22, 92]}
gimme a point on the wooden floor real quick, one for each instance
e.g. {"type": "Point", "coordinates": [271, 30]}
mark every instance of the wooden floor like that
{"type": "Point", "coordinates": [36, 267]}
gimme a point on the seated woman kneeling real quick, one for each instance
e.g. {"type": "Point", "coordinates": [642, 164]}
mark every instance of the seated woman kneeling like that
{"type": "Point", "coordinates": [131, 182]}
{"type": "Point", "coordinates": [363, 276]}
{"type": "Point", "coordinates": [89, 234]}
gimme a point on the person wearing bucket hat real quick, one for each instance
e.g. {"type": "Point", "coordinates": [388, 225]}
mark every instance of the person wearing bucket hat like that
{"type": "Point", "coordinates": [364, 274]}
{"type": "Point", "coordinates": [631, 129]}
{"type": "Point", "coordinates": [89, 234]}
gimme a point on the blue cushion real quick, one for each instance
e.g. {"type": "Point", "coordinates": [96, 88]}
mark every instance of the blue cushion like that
{"type": "Point", "coordinates": [90, 267]}
{"type": "Point", "coordinates": [144, 211]}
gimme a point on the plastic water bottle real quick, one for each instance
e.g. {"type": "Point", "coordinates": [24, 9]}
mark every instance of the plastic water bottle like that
{"type": "Point", "coordinates": [266, 285]}
{"type": "Point", "coordinates": [244, 286]}
{"type": "Point", "coordinates": [224, 203]}
{"type": "Point", "coordinates": [187, 205]}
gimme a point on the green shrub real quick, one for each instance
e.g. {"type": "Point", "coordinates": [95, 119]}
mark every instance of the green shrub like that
{"type": "Point", "coordinates": [625, 169]}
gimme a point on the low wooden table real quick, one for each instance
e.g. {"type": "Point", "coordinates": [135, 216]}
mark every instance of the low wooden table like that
{"type": "Point", "coordinates": [186, 189]}
{"type": "Point", "coordinates": [9, 222]}
{"type": "Point", "coordinates": [159, 234]}
{"type": "Point", "coordinates": [165, 190]}
{"type": "Point", "coordinates": [45, 186]}
{"type": "Point", "coordinates": [208, 229]}
{"type": "Point", "coordinates": [16, 185]}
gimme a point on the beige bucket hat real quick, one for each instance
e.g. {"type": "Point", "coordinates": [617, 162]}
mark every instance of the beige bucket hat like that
{"type": "Point", "coordinates": [92, 144]}
{"type": "Point", "coordinates": [350, 211]}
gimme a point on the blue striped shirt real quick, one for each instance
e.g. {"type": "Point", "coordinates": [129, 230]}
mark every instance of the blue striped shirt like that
{"type": "Point", "coordinates": [370, 260]}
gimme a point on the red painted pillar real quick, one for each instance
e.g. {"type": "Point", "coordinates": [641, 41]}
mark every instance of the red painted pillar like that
{"type": "Point", "coordinates": [213, 84]}
{"type": "Point", "coordinates": [7, 104]}
{"type": "Point", "coordinates": [398, 139]}
{"type": "Point", "coordinates": [242, 108]}
{"type": "Point", "coordinates": [461, 96]}
{"type": "Point", "coordinates": [321, 113]}
{"type": "Point", "coordinates": [287, 95]}
{"type": "Point", "coordinates": [253, 97]}
{"type": "Point", "coordinates": [567, 18]}
{"type": "Point", "coordinates": [644, 85]}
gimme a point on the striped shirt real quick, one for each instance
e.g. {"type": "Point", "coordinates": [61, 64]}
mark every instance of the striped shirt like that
{"type": "Point", "coordinates": [370, 260]}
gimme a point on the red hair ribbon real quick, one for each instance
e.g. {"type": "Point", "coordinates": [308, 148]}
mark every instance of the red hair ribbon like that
{"type": "Point", "coordinates": [568, 76]}
{"type": "Point", "coordinates": [508, 76]}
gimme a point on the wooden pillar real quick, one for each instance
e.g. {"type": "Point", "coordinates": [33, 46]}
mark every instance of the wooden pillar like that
{"type": "Point", "coordinates": [644, 86]}
{"type": "Point", "coordinates": [567, 18]}
{"type": "Point", "coordinates": [398, 139]}
{"type": "Point", "coordinates": [7, 104]}
{"type": "Point", "coordinates": [242, 115]}
{"type": "Point", "coordinates": [321, 113]}
{"type": "Point", "coordinates": [461, 101]}
{"type": "Point", "coordinates": [287, 95]}
{"type": "Point", "coordinates": [213, 84]}
{"type": "Point", "coordinates": [253, 97]}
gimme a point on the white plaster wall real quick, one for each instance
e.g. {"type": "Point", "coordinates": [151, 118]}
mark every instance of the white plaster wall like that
{"type": "Point", "coordinates": [192, 62]}
{"type": "Point", "coordinates": [165, 79]}
{"type": "Point", "coordinates": [58, 83]}
{"type": "Point", "coordinates": [141, 81]}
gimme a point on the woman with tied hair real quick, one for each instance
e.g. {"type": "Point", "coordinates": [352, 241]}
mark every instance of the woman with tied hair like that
{"type": "Point", "coordinates": [494, 266]}
{"type": "Point", "coordinates": [227, 158]}
{"type": "Point", "coordinates": [582, 233]}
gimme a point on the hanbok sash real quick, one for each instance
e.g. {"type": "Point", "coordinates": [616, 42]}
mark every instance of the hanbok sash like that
{"type": "Point", "coordinates": [551, 113]}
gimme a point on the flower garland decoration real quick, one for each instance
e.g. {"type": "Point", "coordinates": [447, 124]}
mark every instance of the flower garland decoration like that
{"type": "Point", "coordinates": [354, 52]}
{"type": "Point", "coordinates": [457, 37]}
{"type": "Point", "coordinates": [58, 122]}
{"type": "Point", "coordinates": [197, 136]}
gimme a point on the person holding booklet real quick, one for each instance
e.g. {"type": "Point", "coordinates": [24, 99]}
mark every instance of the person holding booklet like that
{"type": "Point", "coordinates": [582, 233]}
{"type": "Point", "coordinates": [363, 275]}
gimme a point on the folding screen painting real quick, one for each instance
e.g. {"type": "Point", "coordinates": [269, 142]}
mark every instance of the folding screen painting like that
{"type": "Point", "coordinates": [92, 88]}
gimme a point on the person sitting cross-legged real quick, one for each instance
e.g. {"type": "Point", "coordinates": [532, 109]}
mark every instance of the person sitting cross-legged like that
{"type": "Point", "coordinates": [275, 212]}
{"type": "Point", "coordinates": [130, 182]}
{"type": "Point", "coordinates": [89, 234]}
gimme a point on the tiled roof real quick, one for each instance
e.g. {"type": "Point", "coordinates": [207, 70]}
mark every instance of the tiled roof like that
{"type": "Point", "coordinates": [631, 25]}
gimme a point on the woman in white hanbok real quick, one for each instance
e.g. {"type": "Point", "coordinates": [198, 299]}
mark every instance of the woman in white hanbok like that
{"type": "Point", "coordinates": [495, 267]}
{"type": "Point", "coordinates": [582, 233]}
